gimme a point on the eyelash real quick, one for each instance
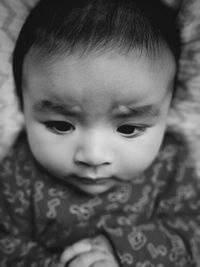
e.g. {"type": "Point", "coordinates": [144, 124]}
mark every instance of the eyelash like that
{"type": "Point", "coordinates": [59, 127]}
{"type": "Point", "coordinates": [126, 130]}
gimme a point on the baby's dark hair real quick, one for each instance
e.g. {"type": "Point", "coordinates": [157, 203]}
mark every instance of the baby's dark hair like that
{"type": "Point", "coordinates": [56, 27]}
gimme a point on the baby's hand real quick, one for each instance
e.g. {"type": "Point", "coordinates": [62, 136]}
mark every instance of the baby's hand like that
{"type": "Point", "coordinates": [95, 252]}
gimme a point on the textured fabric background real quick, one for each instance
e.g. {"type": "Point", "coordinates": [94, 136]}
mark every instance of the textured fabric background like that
{"type": "Point", "coordinates": [185, 114]}
{"type": "Point", "coordinates": [12, 15]}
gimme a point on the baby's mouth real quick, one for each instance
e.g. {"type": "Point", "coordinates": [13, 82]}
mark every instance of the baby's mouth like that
{"type": "Point", "coordinates": [95, 185]}
{"type": "Point", "coordinates": [93, 181]}
{"type": "Point", "coordinates": [96, 181]}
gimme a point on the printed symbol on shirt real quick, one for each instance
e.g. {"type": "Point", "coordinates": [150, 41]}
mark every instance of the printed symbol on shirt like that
{"type": "Point", "coordinates": [126, 258]}
{"type": "Point", "coordinates": [178, 246]}
{"type": "Point", "coordinates": [7, 245]}
{"type": "Point", "coordinates": [39, 185]}
{"type": "Point", "coordinates": [142, 201]}
{"type": "Point", "coordinates": [179, 224]}
{"type": "Point", "coordinates": [52, 204]}
{"type": "Point", "coordinates": [94, 202]}
{"type": "Point", "coordinates": [16, 197]}
{"type": "Point", "coordinates": [137, 239]}
{"type": "Point", "coordinates": [186, 192]}
{"type": "Point", "coordinates": [148, 264]}
{"type": "Point", "coordinates": [129, 220]}
{"type": "Point", "coordinates": [177, 250]}
{"type": "Point", "coordinates": [20, 179]}
{"type": "Point", "coordinates": [104, 224]}
{"type": "Point", "coordinates": [85, 211]}
{"type": "Point", "coordinates": [56, 192]}
{"type": "Point", "coordinates": [121, 195]}
{"type": "Point", "coordinates": [24, 202]}
{"type": "Point", "coordinates": [157, 251]}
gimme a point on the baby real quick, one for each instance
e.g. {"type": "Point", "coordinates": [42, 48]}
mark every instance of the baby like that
{"type": "Point", "coordinates": [95, 180]}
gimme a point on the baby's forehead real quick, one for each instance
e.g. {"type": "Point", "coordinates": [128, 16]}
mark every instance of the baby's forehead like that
{"type": "Point", "coordinates": [37, 56]}
{"type": "Point", "coordinates": [98, 84]}
{"type": "Point", "coordinates": [107, 66]}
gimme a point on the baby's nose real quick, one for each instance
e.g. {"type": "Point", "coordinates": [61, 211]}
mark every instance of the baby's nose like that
{"type": "Point", "coordinates": [89, 161]}
{"type": "Point", "coordinates": [93, 153]}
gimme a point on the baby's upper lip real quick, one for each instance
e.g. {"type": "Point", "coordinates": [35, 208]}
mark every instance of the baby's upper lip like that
{"type": "Point", "coordinates": [94, 180]}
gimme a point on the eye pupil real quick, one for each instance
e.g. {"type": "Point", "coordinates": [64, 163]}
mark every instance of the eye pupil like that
{"type": "Point", "coordinates": [126, 129]}
{"type": "Point", "coordinates": [62, 126]}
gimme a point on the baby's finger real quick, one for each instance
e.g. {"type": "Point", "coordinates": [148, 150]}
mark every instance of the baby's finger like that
{"type": "Point", "coordinates": [75, 250]}
{"type": "Point", "coordinates": [101, 242]}
{"type": "Point", "coordinates": [88, 259]}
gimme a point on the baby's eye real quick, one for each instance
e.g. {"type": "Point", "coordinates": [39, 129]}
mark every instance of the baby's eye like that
{"type": "Point", "coordinates": [129, 130]}
{"type": "Point", "coordinates": [59, 127]}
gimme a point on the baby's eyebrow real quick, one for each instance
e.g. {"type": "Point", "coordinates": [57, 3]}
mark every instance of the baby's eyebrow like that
{"type": "Point", "coordinates": [56, 107]}
{"type": "Point", "coordinates": [140, 111]}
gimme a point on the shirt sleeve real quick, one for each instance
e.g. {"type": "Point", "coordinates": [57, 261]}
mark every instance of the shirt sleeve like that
{"type": "Point", "coordinates": [18, 246]}
{"type": "Point", "coordinates": [167, 234]}
{"type": "Point", "coordinates": [163, 242]}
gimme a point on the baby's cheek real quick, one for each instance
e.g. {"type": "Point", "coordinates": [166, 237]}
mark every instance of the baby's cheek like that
{"type": "Point", "coordinates": [134, 165]}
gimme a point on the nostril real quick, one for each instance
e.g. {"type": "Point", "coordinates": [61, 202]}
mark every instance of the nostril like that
{"type": "Point", "coordinates": [92, 163]}
{"type": "Point", "coordinates": [83, 163]}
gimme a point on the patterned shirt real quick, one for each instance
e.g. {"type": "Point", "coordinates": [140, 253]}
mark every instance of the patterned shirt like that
{"type": "Point", "coordinates": [153, 221]}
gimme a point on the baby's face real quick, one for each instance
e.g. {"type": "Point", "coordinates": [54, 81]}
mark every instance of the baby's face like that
{"type": "Point", "coordinates": [97, 120]}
